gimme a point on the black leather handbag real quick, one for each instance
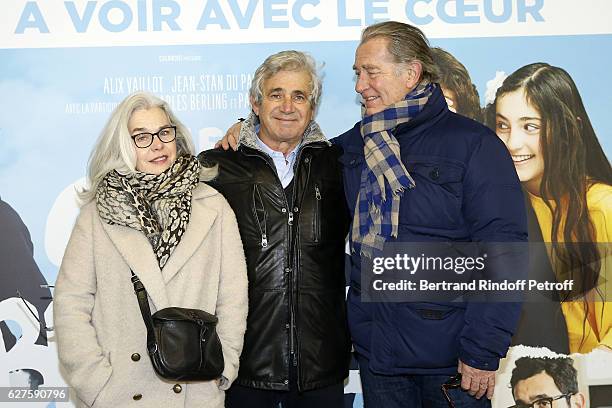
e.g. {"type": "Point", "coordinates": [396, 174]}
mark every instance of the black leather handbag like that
{"type": "Point", "coordinates": [182, 343]}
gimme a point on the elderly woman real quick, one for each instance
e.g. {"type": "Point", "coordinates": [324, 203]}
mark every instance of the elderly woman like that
{"type": "Point", "coordinates": [146, 210]}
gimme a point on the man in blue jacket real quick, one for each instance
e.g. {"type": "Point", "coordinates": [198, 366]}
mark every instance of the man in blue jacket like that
{"type": "Point", "coordinates": [416, 172]}
{"type": "Point", "coordinates": [431, 176]}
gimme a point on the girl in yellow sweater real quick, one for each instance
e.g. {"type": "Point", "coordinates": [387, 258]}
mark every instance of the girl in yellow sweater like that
{"type": "Point", "coordinates": [540, 117]}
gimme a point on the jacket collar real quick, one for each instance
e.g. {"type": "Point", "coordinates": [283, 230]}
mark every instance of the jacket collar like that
{"type": "Point", "coordinates": [434, 110]}
{"type": "Point", "coordinates": [200, 222]}
{"type": "Point", "coordinates": [248, 134]}
{"type": "Point", "coordinates": [138, 253]}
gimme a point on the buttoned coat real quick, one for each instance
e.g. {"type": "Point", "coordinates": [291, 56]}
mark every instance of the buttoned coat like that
{"type": "Point", "coordinates": [100, 332]}
{"type": "Point", "coordinates": [466, 190]}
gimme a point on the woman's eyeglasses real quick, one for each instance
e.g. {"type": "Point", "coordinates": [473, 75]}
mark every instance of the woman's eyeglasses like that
{"type": "Point", "coordinates": [165, 134]}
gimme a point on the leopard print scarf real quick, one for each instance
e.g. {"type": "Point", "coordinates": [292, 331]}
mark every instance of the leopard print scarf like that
{"type": "Point", "coordinates": [158, 205]}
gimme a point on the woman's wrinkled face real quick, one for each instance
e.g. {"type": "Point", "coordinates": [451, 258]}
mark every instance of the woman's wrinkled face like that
{"type": "Point", "coordinates": [159, 156]}
{"type": "Point", "coordinates": [518, 125]}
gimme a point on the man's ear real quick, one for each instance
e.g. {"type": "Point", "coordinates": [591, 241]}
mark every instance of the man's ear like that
{"type": "Point", "coordinates": [254, 105]}
{"type": "Point", "coordinates": [414, 72]}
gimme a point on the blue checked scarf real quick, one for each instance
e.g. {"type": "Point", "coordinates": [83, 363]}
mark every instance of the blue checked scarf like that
{"type": "Point", "coordinates": [385, 178]}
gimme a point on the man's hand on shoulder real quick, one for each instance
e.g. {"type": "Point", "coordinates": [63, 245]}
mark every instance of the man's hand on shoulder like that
{"type": "Point", "coordinates": [476, 382]}
{"type": "Point", "coordinates": [231, 138]}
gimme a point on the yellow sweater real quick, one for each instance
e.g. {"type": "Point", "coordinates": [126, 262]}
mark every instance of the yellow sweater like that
{"type": "Point", "coordinates": [597, 330]}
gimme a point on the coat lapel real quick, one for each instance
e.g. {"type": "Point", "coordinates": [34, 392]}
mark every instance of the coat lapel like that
{"type": "Point", "coordinates": [201, 220]}
{"type": "Point", "coordinates": [138, 254]}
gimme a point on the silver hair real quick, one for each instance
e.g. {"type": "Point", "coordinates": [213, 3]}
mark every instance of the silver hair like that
{"type": "Point", "coordinates": [406, 44]}
{"type": "Point", "coordinates": [289, 60]}
{"type": "Point", "coordinates": [115, 149]}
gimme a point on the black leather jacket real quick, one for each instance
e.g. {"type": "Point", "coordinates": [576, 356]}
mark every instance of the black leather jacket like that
{"type": "Point", "coordinates": [295, 260]}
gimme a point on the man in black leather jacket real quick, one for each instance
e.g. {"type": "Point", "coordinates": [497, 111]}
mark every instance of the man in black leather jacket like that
{"type": "Point", "coordinates": [285, 185]}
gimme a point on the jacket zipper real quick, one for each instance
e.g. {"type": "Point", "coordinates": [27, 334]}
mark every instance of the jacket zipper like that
{"type": "Point", "coordinates": [293, 275]}
{"type": "Point", "coordinates": [295, 279]}
{"type": "Point", "coordinates": [262, 226]}
{"type": "Point", "coordinates": [317, 215]}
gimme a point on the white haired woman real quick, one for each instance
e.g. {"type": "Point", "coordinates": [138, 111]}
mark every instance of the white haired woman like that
{"type": "Point", "coordinates": [146, 210]}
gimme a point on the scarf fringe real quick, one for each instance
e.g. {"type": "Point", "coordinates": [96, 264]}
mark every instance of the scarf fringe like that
{"type": "Point", "coordinates": [385, 179]}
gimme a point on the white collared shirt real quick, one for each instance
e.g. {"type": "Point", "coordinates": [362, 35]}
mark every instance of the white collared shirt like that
{"type": "Point", "coordinates": [284, 165]}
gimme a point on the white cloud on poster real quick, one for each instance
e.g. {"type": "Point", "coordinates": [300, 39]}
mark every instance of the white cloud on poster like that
{"type": "Point", "coordinates": [493, 85]}
{"type": "Point", "coordinates": [60, 221]}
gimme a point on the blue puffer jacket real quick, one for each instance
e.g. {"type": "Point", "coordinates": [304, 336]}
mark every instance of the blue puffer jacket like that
{"type": "Point", "coordinates": [466, 190]}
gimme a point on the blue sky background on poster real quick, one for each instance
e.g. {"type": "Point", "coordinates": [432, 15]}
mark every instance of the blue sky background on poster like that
{"type": "Point", "coordinates": [52, 106]}
{"type": "Point", "coordinates": [46, 133]}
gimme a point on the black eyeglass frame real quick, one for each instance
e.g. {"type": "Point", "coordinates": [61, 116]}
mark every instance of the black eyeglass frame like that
{"type": "Point", "coordinates": [550, 400]}
{"type": "Point", "coordinates": [452, 383]}
{"type": "Point", "coordinates": [153, 136]}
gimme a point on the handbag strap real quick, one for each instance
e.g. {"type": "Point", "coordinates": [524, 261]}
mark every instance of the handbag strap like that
{"type": "Point", "coordinates": [145, 310]}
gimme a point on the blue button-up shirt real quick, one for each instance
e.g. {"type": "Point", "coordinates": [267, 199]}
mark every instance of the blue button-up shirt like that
{"type": "Point", "coordinates": [284, 165]}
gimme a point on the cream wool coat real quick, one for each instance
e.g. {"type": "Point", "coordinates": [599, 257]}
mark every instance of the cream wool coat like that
{"type": "Point", "coordinates": [96, 315]}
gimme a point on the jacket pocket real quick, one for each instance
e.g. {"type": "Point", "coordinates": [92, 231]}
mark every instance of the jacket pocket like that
{"type": "Point", "coordinates": [424, 328]}
{"type": "Point", "coordinates": [324, 217]}
{"type": "Point", "coordinates": [260, 216]}
{"type": "Point", "coordinates": [101, 398]}
{"type": "Point", "coordinates": [436, 200]}
{"type": "Point", "coordinates": [438, 171]}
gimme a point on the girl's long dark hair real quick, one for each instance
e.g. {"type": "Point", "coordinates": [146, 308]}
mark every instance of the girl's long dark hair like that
{"type": "Point", "coordinates": [573, 161]}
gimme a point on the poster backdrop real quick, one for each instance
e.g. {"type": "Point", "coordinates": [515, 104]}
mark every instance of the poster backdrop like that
{"type": "Point", "coordinates": [66, 64]}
